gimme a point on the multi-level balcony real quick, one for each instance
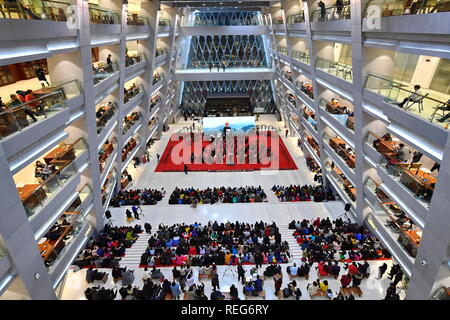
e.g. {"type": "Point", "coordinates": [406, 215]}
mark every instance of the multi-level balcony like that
{"type": "Point", "coordinates": [51, 178]}
{"type": "Point", "coordinates": [129, 149]}
{"type": "Point", "coordinates": [99, 15]}
{"type": "Point", "coordinates": [108, 188]}
{"type": "Point", "coordinates": [410, 171]}
{"type": "Point", "coordinates": [57, 241]}
{"type": "Point", "coordinates": [21, 116]}
{"type": "Point", "coordinates": [343, 115]}
{"type": "Point", "coordinates": [131, 124]}
{"type": "Point", "coordinates": [346, 154]}
{"type": "Point", "coordinates": [331, 13]}
{"type": "Point", "coordinates": [36, 10]}
{"type": "Point", "coordinates": [310, 117]}
{"type": "Point", "coordinates": [341, 183]}
{"type": "Point", "coordinates": [134, 19]}
{"type": "Point", "coordinates": [394, 224]}
{"type": "Point", "coordinates": [104, 114]}
{"type": "Point", "coordinates": [301, 56]}
{"type": "Point", "coordinates": [102, 71]}
{"type": "Point", "coordinates": [105, 157]}
{"type": "Point", "coordinates": [425, 106]}
{"type": "Point", "coordinates": [336, 69]}
{"type": "Point", "coordinates": [296, 18]}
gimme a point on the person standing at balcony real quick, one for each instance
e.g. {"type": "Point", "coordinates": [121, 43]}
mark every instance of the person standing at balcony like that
{"type": "Point", "coordinates": [413, 97]}
{"type": "Point", "coordinates": [210, 67]}
{"type": "Point", "coordinates": [40, 74]}
{"type": "Point", "coordinates": [322, 10]}
{"type": "Point", "coordinates": [17, 100]}
{"type": "Point", "coordinates": [339, 7]}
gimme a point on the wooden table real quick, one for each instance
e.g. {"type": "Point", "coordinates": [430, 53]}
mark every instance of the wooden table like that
{"type": "Point", "coordinates": [417, 180]}
{"type": "Point", "coordinates": [337, 143]}
{"type": "Point", "coordinates": [66, 152]}
{"type": "Point", "coordinates": [313, 144]}
{"type": "Point", "coordinates": [31, 194]}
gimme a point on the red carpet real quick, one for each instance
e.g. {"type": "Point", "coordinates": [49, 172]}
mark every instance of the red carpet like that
{"type": "Point", "coordinates": [283, 161]}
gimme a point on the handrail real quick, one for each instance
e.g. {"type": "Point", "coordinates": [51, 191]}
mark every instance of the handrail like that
{"type": "Point", "coordinates": [335, 68]}
{"type": "Point", "coordinates": [104, 16]}
{"type": "Point", "coordinates": [132, 60]}
{"type": "Point", "coordinates": [331, 13]}
{"type": "Point", "coordinates": [37, 10]}
{"type": "Point", "coordinates": [398, 7]}
{"type": "Point", "coordinates": [136, 20]}
{"type": "Point", "coordinates": [391, 90]}
{"type": "Point", "coordinates": [296, 17]}
{"type": "Point", "coordinates": [14, 118]}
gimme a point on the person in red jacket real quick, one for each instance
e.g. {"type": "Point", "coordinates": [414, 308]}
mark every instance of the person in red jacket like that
{"type": "Point", "coordinates": [345, 280]}
{"type": "Point", "coordinates": [353, 268]}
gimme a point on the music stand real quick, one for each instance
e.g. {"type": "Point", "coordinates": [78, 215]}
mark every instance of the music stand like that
{"type": "Point", "coordinates": [347, 209]}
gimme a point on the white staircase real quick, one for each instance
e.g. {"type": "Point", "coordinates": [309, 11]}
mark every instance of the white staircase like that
{"type": "Point", "coordinates": [133, 255]}
{"type": "Point", "coordinates": [294, 248]}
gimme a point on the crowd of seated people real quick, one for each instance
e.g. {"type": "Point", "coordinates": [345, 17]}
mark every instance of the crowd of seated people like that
{"type": "Point", "coordinates": [137, 197]}
{"type": "Point", "coordinates": [214, 243]}
{"type": "Point", "coordinates": [156, 77]}
{"type": "Point", "coordinates": [303, 193]}
{"type": "Point", "coordinates": [129, 93]}
{"type": "Point", "coordinates": [326, 240]}
{"type": "Point", "coordinates": [130, 60]}
{"type": "Point", "coordinates": [307, 89]}
{"type": "Point", "coordinates": [106, 249]}
{"type": "Point", "coordinates": [130, 120]}
{"type": "Point", "coordinates": [104, 113]}
{"type": "Point", "coordinates": [221, 195]}
{"type": "Point", "coordinates": [97, 293]}
{"type": "Point", "coordinates": [43, 171]}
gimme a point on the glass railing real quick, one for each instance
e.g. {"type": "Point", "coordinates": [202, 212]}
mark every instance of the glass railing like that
{"type": "Point", "coordinates": [398, 8]}
{"type": "Point", "coordinates": [344, 184]}
{"type": "Point", "coordinates": [35, 197]}
{"type": "Point", "coordinates": [306, 88]}
{"type": "Point", "coordinates": [130, 120]}
{"type": "Point", "coordinates": [163, 22]}
{"type": "Point", "coordinates": [341, 148]}
{"type": "Point", "coordinates": [429, 108]}
{"type": "Point", "coordinates": [130, 60]}
{"type": "Point", "coordinates": [300, 56]}
{"type": "Point", "coordinates": [97, 15]}
{"type": "Point", "coordinates": [103, 71]}
{"type": "Point", "coordinates": [84, 193]}
{"type": "Point", "coordinates": [128, 148]}
{"type": "Point", "coordinates": [108, 186]}
{"type": "Point", "coordinates": [331, 13]}
{"type": "Point", "coordinates": [16, 117]}
{"type": "Point", "coordinates": [105, 152]}
{"type": "Point", "coordinates": [34, 10]}
{"type": "Point", "coordinates": [418, 181]}
{"type": "Point", "coordinates": [296, 18]}
{"type": "Point", "coordinates": [335, 68]}
{"type": "Point", "coordinates": [160, 52]}
{"type": "Point", "coordinates": [282, 50]}
{"type": "Point", "coordinates": [136, 20]}
{"type": "Point", "coordinates": [70, 88]}
{"type": "Point", "coordinates": [132, 92]}
{"type": "Point", "coordinates": [106, 113]}
{"type": "Point", "coordinates": [340, 113]}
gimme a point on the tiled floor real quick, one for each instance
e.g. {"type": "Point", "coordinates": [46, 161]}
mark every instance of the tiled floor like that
{"type": "Point", "coordinates": [281, 213]}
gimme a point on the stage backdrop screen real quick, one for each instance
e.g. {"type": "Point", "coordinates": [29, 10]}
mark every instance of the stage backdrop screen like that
{"type": "Point", "coordinates": [211, 124]}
